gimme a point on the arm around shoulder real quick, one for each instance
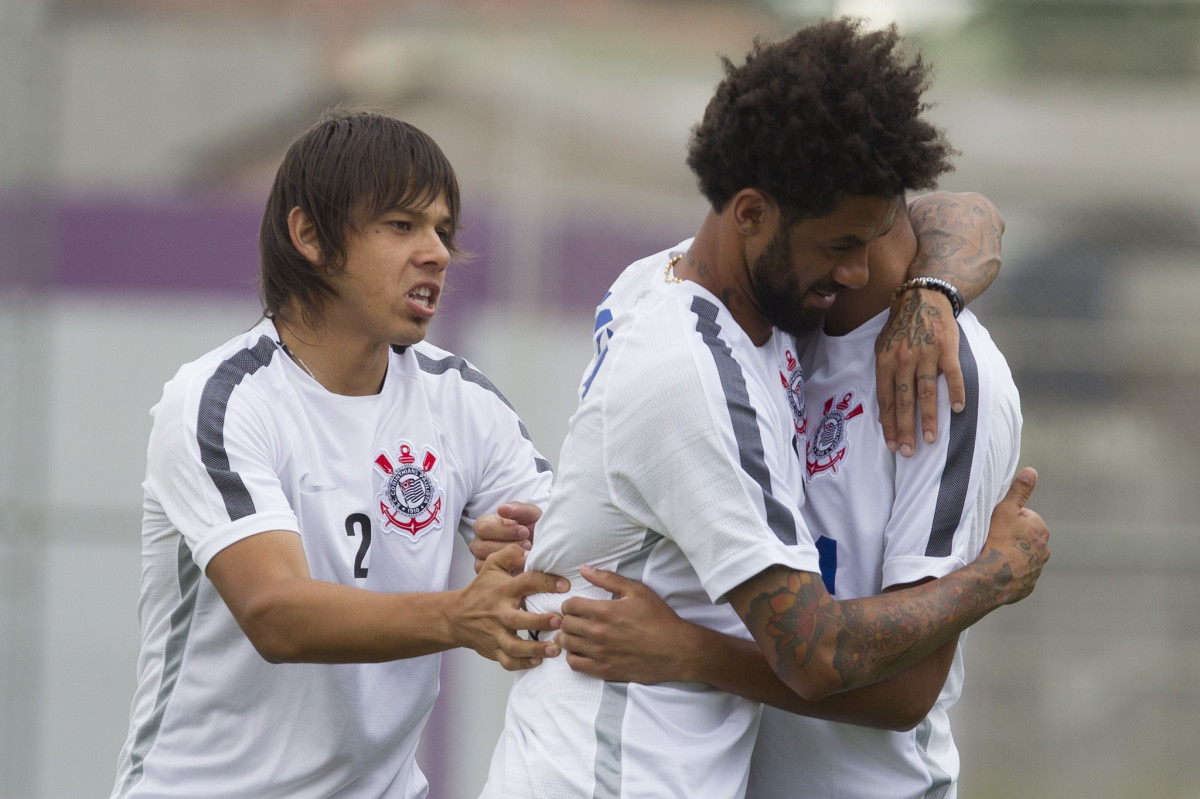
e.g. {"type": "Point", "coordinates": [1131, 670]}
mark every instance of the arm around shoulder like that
{"type": "Point", "coordinates": [958, 249]}
{"type": "Point", "coordinates": [958, 239]}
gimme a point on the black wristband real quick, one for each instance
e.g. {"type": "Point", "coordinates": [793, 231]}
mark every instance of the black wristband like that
{"type": "Point", "coordinates": [937, 284]}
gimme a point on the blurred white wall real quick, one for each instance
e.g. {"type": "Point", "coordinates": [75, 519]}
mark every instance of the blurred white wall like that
{"type": "Point", "coordinates": [583, 109]}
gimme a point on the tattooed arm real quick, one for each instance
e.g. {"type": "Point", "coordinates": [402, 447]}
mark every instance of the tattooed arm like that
{"type": "Point", "coordinates": [637, 637]}
{"type": "Point", "coordinates": [819, 646]}
{"type": "Point", "coordinates": [893, 650]}
{"type": "Point", "coordinates": [958, 239]}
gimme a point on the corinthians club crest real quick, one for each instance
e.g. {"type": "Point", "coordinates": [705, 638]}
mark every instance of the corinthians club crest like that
{"type": "Point", "coordinates": [409, 497]}
{"type": "Point", "coordinates": [827, 445]}
{"type": "Point", "coordinates": [793, 386]}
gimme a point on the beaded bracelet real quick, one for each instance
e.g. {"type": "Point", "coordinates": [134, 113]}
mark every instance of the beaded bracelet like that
{"type": "Point", "coordinates": [937, 284]}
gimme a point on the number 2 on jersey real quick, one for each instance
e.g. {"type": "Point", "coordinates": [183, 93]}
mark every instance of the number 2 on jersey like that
{"type": "Point", "coordinates": [363, 523]}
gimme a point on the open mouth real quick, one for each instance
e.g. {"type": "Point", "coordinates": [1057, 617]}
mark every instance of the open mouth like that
{"type": "Point", "coordinates": [425, 297]}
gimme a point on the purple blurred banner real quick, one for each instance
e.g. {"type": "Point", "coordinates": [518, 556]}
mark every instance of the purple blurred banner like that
{"type": "Point", "coordinates": [159, 245]}
{"type": "Point", "coordinates": [210, 245]}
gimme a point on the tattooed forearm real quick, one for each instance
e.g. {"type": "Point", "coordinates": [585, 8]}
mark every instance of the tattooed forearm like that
{"type": "Point", "coordinates": [881, 635]}
{"type": "Point", "coordinates": [868, 639]}
{"type": "Point", "coordinates": [958, 239]}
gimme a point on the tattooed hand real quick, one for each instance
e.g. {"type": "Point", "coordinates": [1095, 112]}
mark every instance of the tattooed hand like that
{"type": "Point", "coordinates": [1020, 537]}
{"type": "Point", "coordinates": [919, 341]}
{"type": "Point", "coordinates": [958, 240]}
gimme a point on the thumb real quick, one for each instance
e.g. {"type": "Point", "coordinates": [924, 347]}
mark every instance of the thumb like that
{"type": "Point", "coordinates": [1022, 487]}
{"type": "Point", "coordinates": [610, 581]}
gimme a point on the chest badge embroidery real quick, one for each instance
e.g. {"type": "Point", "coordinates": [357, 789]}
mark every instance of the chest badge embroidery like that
{"type": "Point", "coordinates": [827, 447]}
{"type": "Point", "coordinates": [793, 386]}
{"type": "Point", "coordinates": [410, 498]}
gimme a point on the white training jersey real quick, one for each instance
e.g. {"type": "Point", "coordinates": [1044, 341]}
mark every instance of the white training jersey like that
{"type": "Point", "coordinates": [677, 471]}
{"type": "Point", "coordinates": [883, 520]}
{"type": "Point", "coordinates": [245, 442]}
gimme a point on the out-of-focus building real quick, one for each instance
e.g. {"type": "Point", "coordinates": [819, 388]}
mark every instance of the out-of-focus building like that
{"type": "Point", "coordinates": [137, 143]}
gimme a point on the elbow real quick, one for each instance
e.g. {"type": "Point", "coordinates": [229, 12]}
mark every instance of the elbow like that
{"type": "Point", "coordinates": [263, 627]}
{"type": "Point", "coordinates": [904, 710]}
{"type": "Point", "coordinates": [275, 653]}
{"type": "Point", "coordinates": [905, 719]}
{"type": "Point", "coordinates": [273, 647]}
{"type": "Point", "coordinates": [814, 681]}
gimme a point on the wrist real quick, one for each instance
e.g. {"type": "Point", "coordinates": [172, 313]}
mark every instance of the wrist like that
{"type": "Point", "coordinates": [945, 287]}
{"type": "Point", "coordinates": [691, 653]}
{"type": "Point", "coordinates": [446, 625]}
{"type": "Point", "coordinates": [997, 588]}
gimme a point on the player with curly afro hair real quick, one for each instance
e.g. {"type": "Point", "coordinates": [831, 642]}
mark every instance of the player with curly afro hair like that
{"type": "Point", "coordinates": [676, 511]}
{"type": "Point", "coordinates": [830, 110]}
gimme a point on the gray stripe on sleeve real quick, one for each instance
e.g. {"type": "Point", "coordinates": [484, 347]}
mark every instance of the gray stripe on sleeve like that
{"type": "Point", "coordinates": [960, 452]}
{"type": "Point", "coordinates": [210, 424]}
{"type": "Point", "coordinates": [610, 716]}
{"type": "Point", "coordinates": [453, 363]}
{"type": "Point", "coordinates": [177, 637]}
{"type": "Point", "coordinates": [743, 418]}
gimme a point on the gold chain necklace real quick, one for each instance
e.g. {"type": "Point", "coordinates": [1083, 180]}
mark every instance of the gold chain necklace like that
{"type": "Point", "coordinates": [298, 360]}
{"type": "Point", "coordinates": [669, 273]}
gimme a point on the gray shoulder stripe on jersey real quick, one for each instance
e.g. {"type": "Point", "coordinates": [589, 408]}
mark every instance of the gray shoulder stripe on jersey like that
{"type": "Point", "coordinates": [210, 424]}
{"type": "Point", "coordinates": [780, 519]}
{"type": "Point", "coordinates": [960, 452]}
{"type": "Point", "coordinates": [614, 697]}
{"type": "Point", "coordinates": [181, 626]}
{"type": "Point", "coordinates": [454, 363]}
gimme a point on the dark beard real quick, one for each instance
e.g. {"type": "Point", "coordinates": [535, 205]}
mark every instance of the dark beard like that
{"type": "Point", "coordinates": [778, 293]}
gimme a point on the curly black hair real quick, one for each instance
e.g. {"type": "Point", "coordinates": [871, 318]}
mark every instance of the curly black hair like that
{"type": "Point", "coordinates": [833, 109]}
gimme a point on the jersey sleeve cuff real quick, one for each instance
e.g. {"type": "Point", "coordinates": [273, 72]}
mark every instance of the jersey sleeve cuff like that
{"type": "Point", "coordinates": [902, 571]}
{"type": "Point", "coordinates": [229, 534]}
{"type": "Point", "coordinates": [754, 561]}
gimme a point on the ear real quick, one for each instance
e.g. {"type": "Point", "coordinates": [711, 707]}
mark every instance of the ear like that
{"type": "Point", "coordinates": [754, 213]}
{"type": "Point", "coordinates": [304, 236]}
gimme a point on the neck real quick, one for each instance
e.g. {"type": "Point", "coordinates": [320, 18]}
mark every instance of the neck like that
{"type": "Point", "coordinates": [339, 366]}
{"type": "Point", "coordinates": [716, 264]}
